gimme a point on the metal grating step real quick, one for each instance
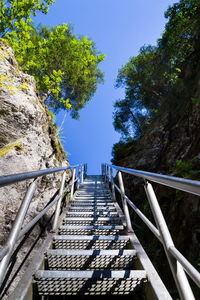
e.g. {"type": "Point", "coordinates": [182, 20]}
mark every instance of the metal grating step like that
{"type": "Point", "coordinates": [90, 259]}
{"type": "Point", "coordinates": [92, 213]}
{"type": "Point", "coordinates": [95, 194]}
{"type": "Point", "coordinates": [89, 282]}
{"type": "Point", "coordinates": [91, 242]}
{"type": "Point", "coordinates": [91, 221]}
{"type": "Point", "coordinates": [91, 198]}
{"type": "Point", "coordinates": [93, 204]}
{"type": "Point", "coordinates": [92, 201]}
{"type": "Point", "coordinates": [90, 208]}
{"type": "Point", "coordinates": [91, 229]}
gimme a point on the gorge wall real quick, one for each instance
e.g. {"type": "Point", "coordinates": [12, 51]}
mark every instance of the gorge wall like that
{"type": "Point", "coordinates": [170, 146]}
{"type": "Point", "coordinates": [27, 142]}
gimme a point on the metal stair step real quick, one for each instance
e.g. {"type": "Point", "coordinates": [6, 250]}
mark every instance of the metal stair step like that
{"type": "Point", "coordinates": [91, 220]}
{"type": "Point", "coordinates": [93, 204]}
{"type": "Point", "coordinates": [92, 213]}
{"type": "Point", "coordinates": [96, 193]}
{"type": "Point", "coordinates": [97, 282]}
{"type": "Point", "coordinates": [103, 196]}
{"type": "Point", "coordinates": [120, 227]}
{"type": "Point", "coordinates": [99, 208]}
{"type": "Point", "coordinates": [90, 229]}
{"type": "Point", "coordinates": [91, 198]}
{"type": "Point", "coordinates": [90, 259]}
{"type": "Point", "coordinates": [123, 252]}
{"type": "Point", "coordinates": [91, 242]}
{"type": "Point", "coordinates": [92, 201]}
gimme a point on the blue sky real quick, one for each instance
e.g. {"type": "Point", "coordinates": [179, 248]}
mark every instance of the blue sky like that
{"type": "Point", "coordinates": [119, 29]}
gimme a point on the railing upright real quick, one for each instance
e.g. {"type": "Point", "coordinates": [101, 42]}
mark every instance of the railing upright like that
{"type": "Point", "coordinates": [85, 170]}
{"type": "Point", "coordinates": [124, 203]}
{"type": "Point", "coordinates": [13, 236]}
{"type": "Point", "coordinates": [81, 174]}
{"type": "Point", "coordinates": [112, 184]}
{"type": "Point", "coordinates": [73, 180]}
{"type": "Point", "coordinates": [58, 206]}
{"type": "Point", "coordinates": [179, 275]}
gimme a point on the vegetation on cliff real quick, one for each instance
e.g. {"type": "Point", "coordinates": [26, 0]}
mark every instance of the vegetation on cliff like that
{"type": "Point", "coordinates": [160, 78]}
{"type": "Point", "coordinates": [159, 122]}
{"type": "Point", "coordinates": [65, 67]}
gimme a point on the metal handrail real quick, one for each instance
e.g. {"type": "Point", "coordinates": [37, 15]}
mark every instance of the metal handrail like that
{"type": "Point", "coordinates": [16, 232]}
{"type": "Point", "coordinates": [178, 263]}
{"type": "Point", "coordinates": [187, 185]}
{"type": "Point", "coordinates": [10, 179]}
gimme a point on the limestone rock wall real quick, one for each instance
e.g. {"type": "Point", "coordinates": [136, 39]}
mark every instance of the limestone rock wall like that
{"type": "Point", "coordinates": [27, 142]}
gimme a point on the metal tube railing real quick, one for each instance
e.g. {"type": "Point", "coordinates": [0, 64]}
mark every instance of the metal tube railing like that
{"type": "Point", "coordinates": [73, 181]}
{"type": "Point", "coordinates": [192, 272]}
{"type": "Point", "coordinates": [16, 232]}
{"type": "Point", "coordinates": [10, 179]}
{"type": "Point", "coordinates": [187, 185]}
{"type": "Point", "coordinates": [41, 214]}
{"type": "Point", "coordinates": [177, 270]}
{"type": "Point", "coordinates": [124, 203]}
{"type": "Point", "coordinates": [58, 206]}
{"type": "Point", "coordinates": [178, 263]}
{"type": "Point", "coordinates": [3, 251]}
{"type": "Point", "coordinates": [144, 219]}
{"type": "Point", "coordinates": [16, 229]}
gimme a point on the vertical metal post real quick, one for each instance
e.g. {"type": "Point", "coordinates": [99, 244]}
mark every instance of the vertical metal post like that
{"type": "Point", "coordinates": [178, 272]}
{"type": "Point", "coordinates": [85, 170]}
{"type": "Point", "coordinates": [82, 173]}
{"type": "Point", "coordinates": [108, 174]}
{"type": "Point", "coordinates": [112, 184]}
{"type": "Point", "coordinates": [124, 203]}
{"type": "Point", "coordinates": [72, 187]}
{"type": "Point", "coordinates": [58, 206]}
{"type": "Point", "coordinates": [78, 177]}
{"type": "Point", "coordinates": [13, 236]}
{"type": "Point", "coordinates": [104, 172]}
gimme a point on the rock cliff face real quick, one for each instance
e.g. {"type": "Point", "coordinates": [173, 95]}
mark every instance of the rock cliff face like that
{"type": "Point", "coordinates": [168, 139]}
{"type": "Point", "coordinates": [27, 141]}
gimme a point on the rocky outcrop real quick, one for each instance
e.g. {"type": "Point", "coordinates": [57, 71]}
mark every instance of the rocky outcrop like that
{"type": "Point", "coordinates": [27, 141]}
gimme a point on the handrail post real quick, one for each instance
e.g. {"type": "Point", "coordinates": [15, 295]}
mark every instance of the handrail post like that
{"type": "Point", "coordinates": [13, 236]}
{"type": "Point", "coordinates": [178, 272]}
{"type": "Point", "coordinates": [106, 174]}
{"type": "Point", "coordinates": [82, 173]}
{"type": "Point", "coordinates": [102, 170]}
{"type": "Point", "coordinates": [85, 170]}
{"type": "Point", "coordinates": [112, 184]}
{"type": "Point", "coordinates": [106, 168]}
{"type": "Point", "coordinates": [58, 206]}
{"type": "Point", "coordinates": [78, 177]}
{"type": "Point", "coordinates": [124, 203]}
{"type": "Point", "coordinates": [72, 187]}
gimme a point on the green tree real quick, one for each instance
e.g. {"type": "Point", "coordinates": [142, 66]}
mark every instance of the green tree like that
{"type": "Point", "coordinates": [65, 67]}
{"type": "Point", "coordinates": [164, 77]}
{"type": "Point", "coordinates": [12, 11]}
{"type": "Point", "coordinates": [144, 90]}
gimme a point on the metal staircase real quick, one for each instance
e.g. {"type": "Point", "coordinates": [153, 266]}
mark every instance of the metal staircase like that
{"type": "Point", "coordinates": [92, 249]}
{"type": "Point", "coordinates": [91, 253]}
